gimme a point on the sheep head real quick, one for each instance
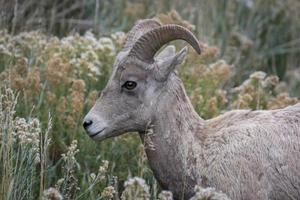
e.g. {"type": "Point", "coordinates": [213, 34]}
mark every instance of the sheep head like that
{"type": "Point", "coordinates": [129, 100]}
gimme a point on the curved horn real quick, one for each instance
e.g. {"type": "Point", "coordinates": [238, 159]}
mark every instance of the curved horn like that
{"type": "Point", "coordinates": [140, 28]}
{"type": "Point", "coordinates": [148, 44]}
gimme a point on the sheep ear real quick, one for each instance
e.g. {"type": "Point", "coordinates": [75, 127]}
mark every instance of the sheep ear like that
{"type": "Point", "coordinates": [166, 65]}
{"type": "Point", "coordinates": [180, 56]}
{"type": "Point", "coordinates": [166, 52]}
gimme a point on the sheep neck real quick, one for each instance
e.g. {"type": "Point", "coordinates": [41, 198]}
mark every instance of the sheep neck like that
{"type": "Point", "coordinates": [172, 138]}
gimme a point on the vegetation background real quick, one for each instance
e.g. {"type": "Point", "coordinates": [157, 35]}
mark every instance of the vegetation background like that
{"type": "Point", "coordinates": [55, 56]}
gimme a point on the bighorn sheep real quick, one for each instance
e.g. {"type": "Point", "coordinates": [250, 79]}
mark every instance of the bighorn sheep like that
{"type": "Point", "coordinates": [245, 154]}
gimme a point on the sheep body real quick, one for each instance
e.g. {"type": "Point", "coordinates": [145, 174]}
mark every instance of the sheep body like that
{"type": "Point", "coordinates": [245, 154]}
{"type": "Point", "coordinates": [259, 155]}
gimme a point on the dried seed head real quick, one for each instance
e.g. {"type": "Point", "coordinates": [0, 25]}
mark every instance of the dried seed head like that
{"type": "Point", "coordinates": [52, 194]}
{"type": "Point", "coordinates": [165, 195]}
{"type": "Point", "coordinates": [108, 192]}
{"type": "Point", "coordinates": [135, 188]}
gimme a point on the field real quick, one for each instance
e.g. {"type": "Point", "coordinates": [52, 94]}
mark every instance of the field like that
{"type": "Point", "coordinates": [52, 71]}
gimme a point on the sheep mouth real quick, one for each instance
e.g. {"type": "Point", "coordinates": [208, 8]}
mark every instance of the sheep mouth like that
{"type": "Point", "coordinates": [95, 134]}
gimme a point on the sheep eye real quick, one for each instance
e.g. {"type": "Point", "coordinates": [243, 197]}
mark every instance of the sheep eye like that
{"type": "Point", "coordinates": [129, 85]}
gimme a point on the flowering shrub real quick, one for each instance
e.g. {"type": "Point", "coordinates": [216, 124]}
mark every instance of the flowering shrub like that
{"type": "Point", "coordinates": [57, 76]}
{"type": "Point", "coordinates": [261, 92]}
{"type": "Point", "coordinates": [23, 148]}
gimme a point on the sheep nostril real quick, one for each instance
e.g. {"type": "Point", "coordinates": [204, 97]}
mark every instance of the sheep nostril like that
{"type": "Point", "coordinates": [87, 123]}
